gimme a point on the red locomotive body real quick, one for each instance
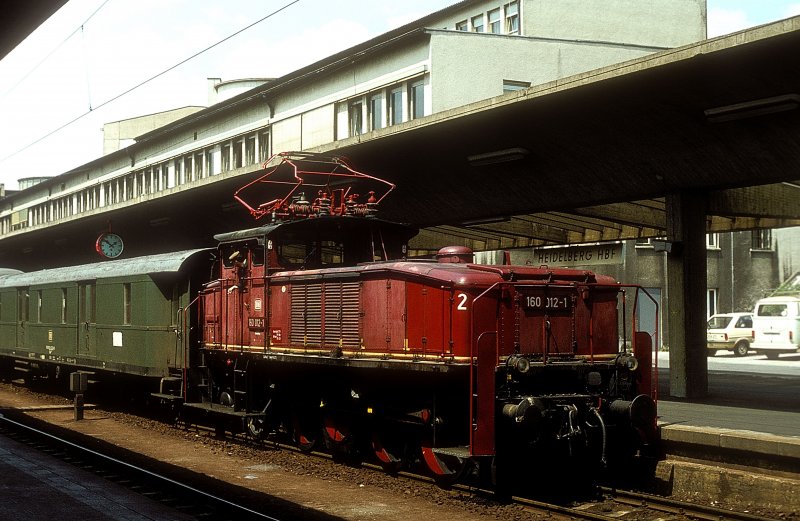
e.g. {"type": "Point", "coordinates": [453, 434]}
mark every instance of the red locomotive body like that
{"type": "Point", "coordinates": [317, 326]}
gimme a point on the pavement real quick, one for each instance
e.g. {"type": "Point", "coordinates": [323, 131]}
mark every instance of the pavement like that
{"type": "Point", "coordinates": [34, 485]}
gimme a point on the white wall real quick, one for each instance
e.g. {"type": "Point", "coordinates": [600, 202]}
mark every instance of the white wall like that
{"type": "Point", "coordinates": [468, 67]}
{"type": "Point", "coordinates": [661, 23]}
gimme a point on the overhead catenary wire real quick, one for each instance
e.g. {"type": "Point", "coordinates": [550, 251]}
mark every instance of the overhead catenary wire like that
{"type": "Point", "coordinates": [148, 80]}
{"type": "Point", "coordinates": [56, 48]}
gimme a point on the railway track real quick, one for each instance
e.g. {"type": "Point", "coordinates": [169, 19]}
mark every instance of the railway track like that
{"type": "Point", "coordinates": [615, 504]}
{"type": "Point", "coordinates": [181, 497]}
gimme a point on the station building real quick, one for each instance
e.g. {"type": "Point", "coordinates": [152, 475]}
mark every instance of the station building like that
{"type": "Point", "coordinates": [473, 50]}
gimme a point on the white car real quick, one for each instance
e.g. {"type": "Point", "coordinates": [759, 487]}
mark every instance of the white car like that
{"type": "Point", "coordinates": [730, 331]}
{"type": "Point", "coordinates": [776, 323]}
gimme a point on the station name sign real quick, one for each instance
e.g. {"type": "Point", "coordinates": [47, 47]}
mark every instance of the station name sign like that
{"type": "Point", "coordinates": [571, 256]}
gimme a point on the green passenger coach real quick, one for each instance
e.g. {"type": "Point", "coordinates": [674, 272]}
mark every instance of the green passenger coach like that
{"type": "Point", "coordinates": [122, 317]}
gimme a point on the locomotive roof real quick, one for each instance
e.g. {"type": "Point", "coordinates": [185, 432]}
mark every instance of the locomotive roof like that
{"type": "Point", "coordinates": [345, 223]}
{"type": "Point", "coordinates": [147, 265]}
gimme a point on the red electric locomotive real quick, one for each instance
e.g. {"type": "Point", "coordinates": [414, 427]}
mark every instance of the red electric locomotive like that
{"type": "Point", "coordinates": [318, 326]}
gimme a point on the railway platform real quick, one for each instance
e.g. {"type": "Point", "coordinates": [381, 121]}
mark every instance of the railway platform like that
{"type": "Point", "coordinates": [34, 485]}
{"type": "Point", "coordinates": [749, 424]}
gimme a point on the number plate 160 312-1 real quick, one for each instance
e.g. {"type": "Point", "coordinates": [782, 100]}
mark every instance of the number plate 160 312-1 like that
{"type": "Point", "coordinates": [547, 302]}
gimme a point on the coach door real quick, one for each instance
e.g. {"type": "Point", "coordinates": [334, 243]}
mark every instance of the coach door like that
{"type": "Point", "coordinates": [87, 319]}
{"type": "Point", "coordinates": [22, 315]}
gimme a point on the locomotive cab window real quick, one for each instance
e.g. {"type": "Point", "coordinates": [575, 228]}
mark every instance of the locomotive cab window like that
{"type": "Point", "coordinates": [309, 255]}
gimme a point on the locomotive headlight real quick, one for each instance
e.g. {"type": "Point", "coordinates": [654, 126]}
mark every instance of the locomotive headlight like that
{"type": "Point", "coordinates": [626, 361]}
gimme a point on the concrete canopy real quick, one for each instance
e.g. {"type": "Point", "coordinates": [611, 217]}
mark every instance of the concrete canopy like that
{"type": "Point", "coordinates": [592, 156]}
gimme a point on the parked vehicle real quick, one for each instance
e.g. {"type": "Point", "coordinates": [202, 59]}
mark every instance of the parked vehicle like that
{"type": "Point", "coordinates": [731, 332]}
{"type": "Point", "coordinates": [776, 326]}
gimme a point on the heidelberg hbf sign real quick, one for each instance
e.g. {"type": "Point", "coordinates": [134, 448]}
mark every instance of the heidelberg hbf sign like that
{"type": "Point", "coordinates": [571, 256]}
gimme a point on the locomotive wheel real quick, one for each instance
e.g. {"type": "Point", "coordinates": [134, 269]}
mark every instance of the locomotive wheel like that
{"type": "Point", "coordinates": [389, 451]}
{"type": "Point", "coordinates": [305, 432]}
{"type": "Point", "coordinates": [446, 469]}
{"type": "Point", "coordinates": [255, 427]}
{"type": "Point", "coordinates": [338, 435]}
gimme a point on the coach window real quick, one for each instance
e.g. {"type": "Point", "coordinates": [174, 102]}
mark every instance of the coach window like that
{"type": "Point", "coordinates": [22, 307]}
{"type": "Point", "coordinates": [39, 306]}
{"type": "Point", "coordinates": [126, 305]}
{"type": "Point", "coordinates": [63, 305]}
{"type": "Point", "coordinates": [87, 303]}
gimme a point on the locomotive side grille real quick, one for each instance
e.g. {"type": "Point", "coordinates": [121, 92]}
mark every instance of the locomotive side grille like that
{"type": "Point", "coordinates": [351, 335]}
{"type": "Point", "coordinates": [342, 314]}
{"type": "Point", "coordinates": [306, 314]}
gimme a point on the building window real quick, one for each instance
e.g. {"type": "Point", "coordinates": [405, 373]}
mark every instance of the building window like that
{"type": "Point", "coordinates": [128, 187]}
{"type": "Point", "coordinates": [226, 158]}
{"type": "Point", "coordinates": [188, 164]}
{"type": "Point", "coordinates": [761, 240]}
{"type": "Point", "coordinates": [512, 85]}
{"type": "Point", "coordinates": [355, 117]}
{"type": "Point", "coordinates": [463, 25]}
{"type": "Point", "coordinates": [263, 145]}
{"type": "Point", "coordinates": [237, 153]}
{"type": "Point", "coordinates": [711, 301]}
{"type": "Point", "coordinates": [178, 166]}
{"type": "Point", "coordinates": [395, 103]}
{"type": "Point", "coordinates": [512, 17]}
{"type": "Point", "coordinates": [126, 303]}
{"type": "Point", "coordinates": [494, 21]}
{"type": "Point", "coordinates": [477, 24]}
{"type": "Point", "coordinates": [199, 171]}
{"type": "Point", "coordinates": [209, 160]}
{"type": "Point", "coordinates": [417, 99]}
{"type": "Point", "coordinates": [375, 112]}
{"type": "Point", "coordinates": [250, 150]}
{"type": "Point", "coordinates": [712, 241]}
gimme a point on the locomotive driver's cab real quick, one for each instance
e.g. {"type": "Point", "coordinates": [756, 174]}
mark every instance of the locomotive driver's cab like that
{"type": "Point", "coordinates": [325, 242]}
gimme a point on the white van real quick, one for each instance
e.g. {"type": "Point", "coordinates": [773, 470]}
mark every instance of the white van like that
{"type": "Point", "coordinates": [776, 326]}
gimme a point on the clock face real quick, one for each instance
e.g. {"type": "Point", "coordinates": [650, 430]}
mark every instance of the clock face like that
{"type": "Point", "coordinates": [109, 245]}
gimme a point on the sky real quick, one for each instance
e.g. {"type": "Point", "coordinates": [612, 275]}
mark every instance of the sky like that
{"type": "Point", "coordinates": [78, 70]}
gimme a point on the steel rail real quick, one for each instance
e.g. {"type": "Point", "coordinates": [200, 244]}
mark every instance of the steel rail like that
{"type": "Point", "coordinates": [674, 506]}
{"type": "Point", "coordinates": [211, 498]}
